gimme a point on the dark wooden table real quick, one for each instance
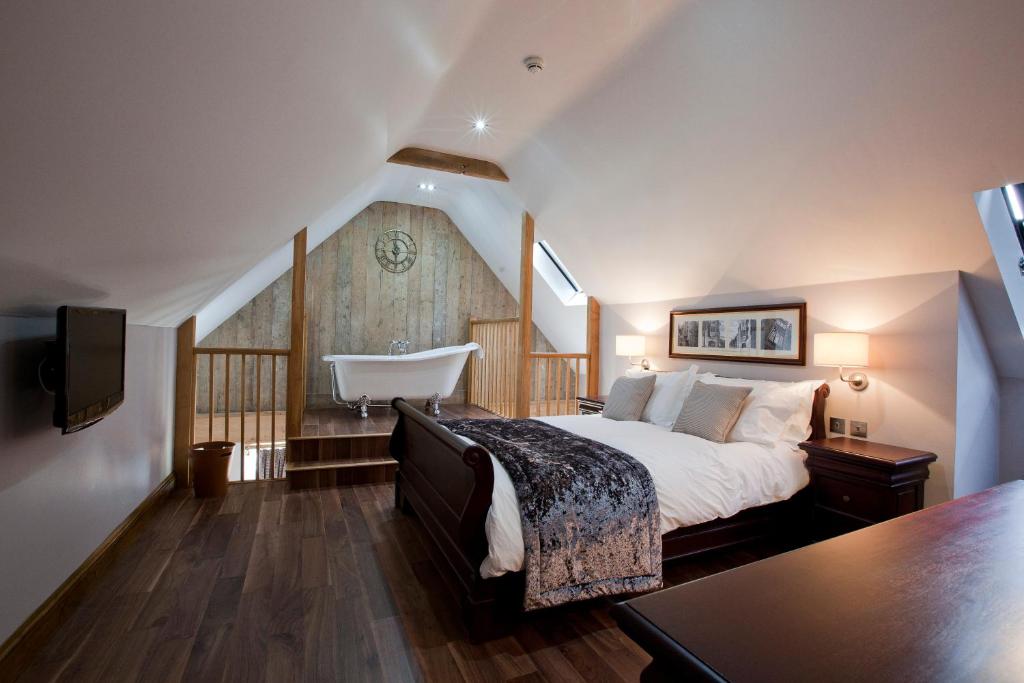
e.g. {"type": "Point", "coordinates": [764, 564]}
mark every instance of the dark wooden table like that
{"type": "Point", "coordinates": [936, 595]}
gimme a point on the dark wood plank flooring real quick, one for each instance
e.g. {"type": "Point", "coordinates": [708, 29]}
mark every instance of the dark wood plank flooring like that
{"type": "Point", "coordinates": [319, 585]}
{"type": "Point", "coordinates": [342, 421]}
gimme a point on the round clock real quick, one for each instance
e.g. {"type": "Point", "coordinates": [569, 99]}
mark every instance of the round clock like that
{"type": "Point", "coordinates": [396, 251]}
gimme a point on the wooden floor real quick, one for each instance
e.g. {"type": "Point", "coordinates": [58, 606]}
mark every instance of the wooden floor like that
{"type": "Point", "coordinates": [344, 422]}
{"type": "Point", "coordinates": [320, 585]}
{"type": "Point", "coordinates": [315, 422]}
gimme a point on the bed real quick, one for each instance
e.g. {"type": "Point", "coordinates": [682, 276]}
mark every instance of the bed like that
{"type": "Point", "coordinates": [452, 484]}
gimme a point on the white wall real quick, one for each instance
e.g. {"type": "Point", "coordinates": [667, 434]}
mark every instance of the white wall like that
{"type": "Point", "coordinates": [1011, 433]}
{"type": "Point", "coordinates": [911, 400]}
{"type": "Point", "coordinates": [977, 406]}
{"type": "Point", "coordinates": [61, 496]}
{"type": "Point", "coordinates": [1002, 237]}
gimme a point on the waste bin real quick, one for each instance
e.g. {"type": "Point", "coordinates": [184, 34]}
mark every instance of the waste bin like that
{"type": "Point", "coordinates": [210, 468]}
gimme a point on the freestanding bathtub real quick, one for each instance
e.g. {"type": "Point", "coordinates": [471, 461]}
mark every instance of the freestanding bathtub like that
{"type": "Point", "coordinates": [430, 375]}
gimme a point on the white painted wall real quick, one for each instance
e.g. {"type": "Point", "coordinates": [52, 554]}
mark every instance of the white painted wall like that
{"type": "Point", "coordinates": [912, 319]}
{"type": "Point", "coordinates": [1011, 432]}
{"type": "Point", "coordinates": [1002, 237]}
{"type": "Point", "coordinates": [977, 406]}
{"type": "Point", "coordinates": [61, 496]}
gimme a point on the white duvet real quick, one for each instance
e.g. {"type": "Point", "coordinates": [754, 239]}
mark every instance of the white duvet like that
{"type": "Point", "coordinates": [695, 480]}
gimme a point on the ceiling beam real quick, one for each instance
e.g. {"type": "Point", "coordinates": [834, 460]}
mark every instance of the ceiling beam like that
{"type": "Point", "coordinates": [449, 163]}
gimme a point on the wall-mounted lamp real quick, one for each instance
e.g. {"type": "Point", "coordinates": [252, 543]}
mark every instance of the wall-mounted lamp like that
{"type": "Point", "coordinates": [630, 345]}
{"type": "Point", "coordinates": [843, 350]}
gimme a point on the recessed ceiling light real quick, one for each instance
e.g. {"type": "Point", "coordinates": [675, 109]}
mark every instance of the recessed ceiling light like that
{"type": "Point", "coordinates": [480, 125]}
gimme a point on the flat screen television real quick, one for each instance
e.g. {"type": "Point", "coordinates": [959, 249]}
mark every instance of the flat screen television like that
{"type": "Point", "coordinates": [86, 368]}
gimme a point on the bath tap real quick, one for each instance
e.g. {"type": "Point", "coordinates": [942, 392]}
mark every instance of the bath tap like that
{"type": "Point", "coordinates": [402, 344]}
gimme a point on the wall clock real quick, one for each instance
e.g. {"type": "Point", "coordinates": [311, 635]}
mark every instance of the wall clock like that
{"type": "Point", "coordinates": [396, 251]}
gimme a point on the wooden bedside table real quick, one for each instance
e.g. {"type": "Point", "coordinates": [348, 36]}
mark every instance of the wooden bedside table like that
{"type": "Point", "coordinates": [856, 483]}
{"type": "Point", "coordinates": [590, 405]}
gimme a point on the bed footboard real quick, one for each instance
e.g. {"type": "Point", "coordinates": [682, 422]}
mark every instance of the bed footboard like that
{"type": "Point", "coordinates": [447, 482]}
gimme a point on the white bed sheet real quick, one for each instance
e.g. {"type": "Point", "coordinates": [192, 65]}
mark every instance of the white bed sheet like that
{"type": "Point", "coordinates": [695, 480]}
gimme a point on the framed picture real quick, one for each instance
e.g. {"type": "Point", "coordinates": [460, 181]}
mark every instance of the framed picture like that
{"type": "Point", "coordinates": [755, 334]}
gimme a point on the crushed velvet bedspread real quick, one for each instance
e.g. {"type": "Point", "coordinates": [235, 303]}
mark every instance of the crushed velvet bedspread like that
{"type": "Point", "coordinates": [590, 517]}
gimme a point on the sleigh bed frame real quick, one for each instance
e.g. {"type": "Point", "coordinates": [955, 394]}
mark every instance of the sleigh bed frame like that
{"type": "Point", "coordinates": [448, 482]}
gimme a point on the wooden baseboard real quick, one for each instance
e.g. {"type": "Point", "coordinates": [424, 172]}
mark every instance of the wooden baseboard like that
{"type": "Point", "coordinates": [17, 651]}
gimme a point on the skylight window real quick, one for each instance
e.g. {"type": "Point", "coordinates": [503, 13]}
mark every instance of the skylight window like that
{"type": "Point", "coordinates": [558, 277]}
{"type": "Point", "coordinates": [1014, 195]}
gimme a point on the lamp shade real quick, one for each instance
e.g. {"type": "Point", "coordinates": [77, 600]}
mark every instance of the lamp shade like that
{"type": "Point", "coordinates": [630, 345]}
{"type": "Point", "coordinates": [841, 349]}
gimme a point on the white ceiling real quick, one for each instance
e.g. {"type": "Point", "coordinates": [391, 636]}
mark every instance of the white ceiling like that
{"type": "Point", "coordinates": [153, 152]}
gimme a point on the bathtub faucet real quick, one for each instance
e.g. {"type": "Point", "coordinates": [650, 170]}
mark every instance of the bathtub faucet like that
{"type": "Point", "coordinates": [402, 344]}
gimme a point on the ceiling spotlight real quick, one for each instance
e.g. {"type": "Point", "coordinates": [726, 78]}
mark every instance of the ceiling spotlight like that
{"type": "Point", "coordinates": [480, 125]}
{"type": "Point", "coordinates": [534, 64]}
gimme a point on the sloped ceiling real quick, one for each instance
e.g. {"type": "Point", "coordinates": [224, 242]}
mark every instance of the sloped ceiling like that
{"type": "Point", "coordinates": [151, 153]}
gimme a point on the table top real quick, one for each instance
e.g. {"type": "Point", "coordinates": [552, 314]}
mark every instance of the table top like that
{"type": "Point", "coordinates": [934, 595]}
{"type": "Point", "coordinates": [881, 452]}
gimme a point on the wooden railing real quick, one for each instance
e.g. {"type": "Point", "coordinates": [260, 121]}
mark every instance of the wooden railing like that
{"type": "Point", "coordinates": [492, 379]}
{"type": "Point", "coordinates": [241, 396]}
{"type": "Point", "coordinates": [555, 382]}
{"type": "Point", "coordinates": [554, 377]}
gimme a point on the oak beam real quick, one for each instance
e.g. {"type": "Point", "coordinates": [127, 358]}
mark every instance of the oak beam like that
{"type": "Point", "coordinates": [593, 347]}
{"type": "Point", "coordinates": [296, 387]}
{"type": "Point", "coordinates": [184, 403]}
{"type": "Point", "coordinates": [525, 345]}
{"type": "Point", "coordinates": [449, 163]}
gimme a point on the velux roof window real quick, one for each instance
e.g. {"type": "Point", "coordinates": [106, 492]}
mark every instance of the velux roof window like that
{"type": "Point", "coordinates": [1014, 196]}
{"type": "Point", "coordinates": [558, 277]}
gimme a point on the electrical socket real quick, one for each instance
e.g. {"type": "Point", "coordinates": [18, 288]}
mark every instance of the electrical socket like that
{"type": "Point", "coordinates": [859, 429]}
{"type": "Point", "coordinates": [837, 425]}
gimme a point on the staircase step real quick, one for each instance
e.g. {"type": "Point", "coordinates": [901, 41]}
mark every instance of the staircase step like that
{"type": "Point", "coordinates": [338, 464]}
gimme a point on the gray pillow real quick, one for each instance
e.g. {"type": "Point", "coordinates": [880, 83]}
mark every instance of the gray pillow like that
{"type": "Point", "coordinates": [711, 410]}
{"type": "Point", "coordinates": [628, 397]}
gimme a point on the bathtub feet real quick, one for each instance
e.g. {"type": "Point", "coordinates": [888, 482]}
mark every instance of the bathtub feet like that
{"type": "Point", "coordinates": [362, 404]}
{"type": "Point", "coordinates": [434, 405]}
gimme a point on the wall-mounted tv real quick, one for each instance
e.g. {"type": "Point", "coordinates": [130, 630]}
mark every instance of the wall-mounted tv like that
{"type": "Point", "coordinates": [86, 366]}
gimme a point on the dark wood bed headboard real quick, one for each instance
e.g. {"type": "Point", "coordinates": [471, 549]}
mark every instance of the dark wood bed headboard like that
{"type": "Point", "coordinates": [818, 430]}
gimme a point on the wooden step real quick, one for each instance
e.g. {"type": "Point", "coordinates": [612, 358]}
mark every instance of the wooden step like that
{"type": "Point", "coordinates": [338, 464]}
{"type": "Point", "coordinates": [331, 437]}
{"type": "Point", "coordinates": [303, 450]}
{"type": "Point", "coordinates": [379, 469]}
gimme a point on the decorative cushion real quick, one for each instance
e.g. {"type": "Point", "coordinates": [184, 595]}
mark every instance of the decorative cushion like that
{"type": "Point", "coordinates": [628, 397]}
{"type": "Point", "coordinates": [670, 392]}
{"type": "Point", "coordinates": [711, 410]}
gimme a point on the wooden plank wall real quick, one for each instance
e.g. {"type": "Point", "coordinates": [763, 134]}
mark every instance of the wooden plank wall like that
{"type": "Point", "coordinates": [353, 306]}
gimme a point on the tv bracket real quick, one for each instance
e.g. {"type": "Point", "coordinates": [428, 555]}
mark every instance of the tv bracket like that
{"type": "Point", "coordinates": [47, 370]}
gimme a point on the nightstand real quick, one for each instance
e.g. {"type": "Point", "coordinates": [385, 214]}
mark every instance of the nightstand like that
{"type": "Point", "coordinates": [590, 405]}
{"type": "Point", "coordinates": [856, 483]}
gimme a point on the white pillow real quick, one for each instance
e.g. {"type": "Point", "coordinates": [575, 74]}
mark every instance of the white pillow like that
{"type": "Point", "coordinates": [774, 412]}
{"type": "Point", "coordinates": [670, 391]}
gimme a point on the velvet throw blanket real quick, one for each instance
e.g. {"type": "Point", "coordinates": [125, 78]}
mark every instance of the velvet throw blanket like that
{"type": "Point", "coordinates": [591, 524]}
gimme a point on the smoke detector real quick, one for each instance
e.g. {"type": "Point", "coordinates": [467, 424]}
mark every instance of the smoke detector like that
{"type": "Point", "coordinates": [534, 64]}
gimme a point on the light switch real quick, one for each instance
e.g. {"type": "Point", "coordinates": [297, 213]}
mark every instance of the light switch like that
{"type": "Point", "coordinates": [859, 429]}
{"type": "Point", "coordinates": [837, 425]}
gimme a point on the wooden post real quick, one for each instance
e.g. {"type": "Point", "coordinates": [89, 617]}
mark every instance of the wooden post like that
{"type": "Point", "coordinates": [525, 319]}
{"type": "Point", "coordinates": [296, 391]}
{"type": "Point", "coordinates": [593, 347]}
{"type": "Point", "coordinates": [184, 402]}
